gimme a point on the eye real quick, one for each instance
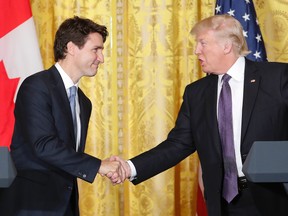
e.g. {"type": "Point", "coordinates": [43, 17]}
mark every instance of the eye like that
{"type": "Point", "coordinates": [203, 43]}
{"type": "Point", "coordinates": [97, 49]}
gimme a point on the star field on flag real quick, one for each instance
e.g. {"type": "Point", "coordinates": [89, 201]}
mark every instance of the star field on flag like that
{"type": "Point", "coordinates": [244, 12]}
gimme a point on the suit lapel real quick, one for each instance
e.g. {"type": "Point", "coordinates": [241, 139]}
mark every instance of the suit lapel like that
{"type": "Point", "coordinates": [251, 86]}
{"type": "Point", "coordinates": [85, 110]}
{"type": "Point", "coordinates": [84, 118]}
{"type": "Point", "coordinates": [211, 111]}
{"type": "Point", "coordinates": [60, 96]}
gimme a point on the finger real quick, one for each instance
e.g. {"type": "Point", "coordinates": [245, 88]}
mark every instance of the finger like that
{"type": "Point", "coordinates": [115, 175]}
{"type": "Point", "coordinates": [115, 158]}
{"type": "Point", "coordinates": [118, 182]}
{"type": "Point", "coordinates": [115, 180]}
{"type": "Point", "coordinates": [123, 174]}
{"type": "Point", "coordinates": [109, 174]}
{"type": "Point", "coordinates": [112, 158]}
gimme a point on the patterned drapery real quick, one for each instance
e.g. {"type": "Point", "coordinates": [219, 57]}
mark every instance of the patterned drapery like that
{"type": "Point", "coordinates": [138, 90]}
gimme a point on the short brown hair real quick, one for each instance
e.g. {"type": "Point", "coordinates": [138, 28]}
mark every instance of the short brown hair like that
{"type": "Point", "coordinates": [76, 30]}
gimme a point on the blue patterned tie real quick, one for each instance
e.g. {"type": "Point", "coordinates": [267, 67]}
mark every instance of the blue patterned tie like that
{"type": "Point", "coordinates": [230, 185]}
{"type": "Point", "coordinates": [72, 100]}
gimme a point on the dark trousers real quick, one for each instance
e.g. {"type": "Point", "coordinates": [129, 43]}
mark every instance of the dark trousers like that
{"type": "Point", "coordinates": [242, 205]}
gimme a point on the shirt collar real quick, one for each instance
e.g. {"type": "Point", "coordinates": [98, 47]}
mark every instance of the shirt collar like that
{"type": "Point", "coordinates": [66, 79]}
{"type": "Point", "coordinates": [237, 70]}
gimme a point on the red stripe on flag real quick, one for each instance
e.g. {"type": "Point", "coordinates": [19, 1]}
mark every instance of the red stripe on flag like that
{"type": "Point", "coordinates": [201, 209]}
{"type": "Point", "coordinates": [13, 13]}
{"type": "Point", "coordinates": [201, 205]}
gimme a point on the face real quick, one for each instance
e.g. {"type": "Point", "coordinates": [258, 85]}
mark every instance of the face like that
{"type": "Point", "coordinates": [88, 58]}
{"type": "Point", "coordinates": [210, 52]}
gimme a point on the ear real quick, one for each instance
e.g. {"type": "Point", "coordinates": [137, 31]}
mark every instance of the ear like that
{"type": "Point", "coordinates": [71, 48]}
{"type": "Point", "coordinates": [228, 47]}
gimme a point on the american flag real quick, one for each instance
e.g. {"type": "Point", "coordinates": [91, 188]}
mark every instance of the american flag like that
{"type": "Point", "coordinates": [244, 12]}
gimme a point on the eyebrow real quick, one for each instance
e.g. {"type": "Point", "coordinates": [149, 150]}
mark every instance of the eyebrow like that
{"type": "Point", "coordinates": [98, 47]}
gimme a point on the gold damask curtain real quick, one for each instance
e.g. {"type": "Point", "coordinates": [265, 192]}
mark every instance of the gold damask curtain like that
{"type": "Point", "coordinates": [138, 90]}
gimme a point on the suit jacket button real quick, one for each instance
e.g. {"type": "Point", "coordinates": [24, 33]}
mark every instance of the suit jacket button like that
{"type": "Point", "coordinates": [84, 175]}
{"type": "Point", "coordinates": [70, 188]}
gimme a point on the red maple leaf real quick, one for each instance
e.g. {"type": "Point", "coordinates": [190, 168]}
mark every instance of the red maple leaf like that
{"type": "Point", "coordinates": [7, 93]}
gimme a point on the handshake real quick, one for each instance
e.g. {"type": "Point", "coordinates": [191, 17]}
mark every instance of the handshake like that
{"type": "Point", "coordinates": [116, 169]}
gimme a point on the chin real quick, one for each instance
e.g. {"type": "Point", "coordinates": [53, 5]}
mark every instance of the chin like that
{"type": "Point", "coordinates": [93, 72]}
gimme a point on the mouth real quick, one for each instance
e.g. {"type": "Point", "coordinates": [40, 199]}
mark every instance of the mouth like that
{"type": "Point", "coordinates": [95, 65]}
{"type": "Point", "coordinates": [201, 62]}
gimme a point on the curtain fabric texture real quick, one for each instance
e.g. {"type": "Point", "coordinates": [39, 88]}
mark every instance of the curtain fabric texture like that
{"type": "Point", "coordinates": [137, 92]}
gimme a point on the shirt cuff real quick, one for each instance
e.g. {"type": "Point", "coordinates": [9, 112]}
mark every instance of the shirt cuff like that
{"type": "Point", "coordinates": [133, 171]}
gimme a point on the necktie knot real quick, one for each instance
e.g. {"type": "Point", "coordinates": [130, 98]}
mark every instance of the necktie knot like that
{"type": "Point", "coordinates": [226, 77]}
{"type": "Point", "coordinates": [73, 90]}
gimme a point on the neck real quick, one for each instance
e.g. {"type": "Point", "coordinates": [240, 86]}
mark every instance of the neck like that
{"type": "Point", "coordinates": [69, 70]}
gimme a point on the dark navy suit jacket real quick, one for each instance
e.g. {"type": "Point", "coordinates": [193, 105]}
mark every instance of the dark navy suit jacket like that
{"type": "Point", "coordinates": [264, 117]}
{"type": "Point", "coordinates": [43, 149]}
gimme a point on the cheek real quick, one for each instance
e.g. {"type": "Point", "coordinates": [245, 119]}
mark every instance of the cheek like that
{"type": "Point", "coordinates": [210, 57]}
{"type": "Point", "coordinates": [93, 56]}
{"type": "Point", "coordinates": [214, 56]}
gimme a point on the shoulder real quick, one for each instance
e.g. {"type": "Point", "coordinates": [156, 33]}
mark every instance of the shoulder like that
{"type": "Point", "coordinates": [46, 78]}
{"type": "Point", "coordinates": [43, 75]}
{"type": "Point", "coordinates": [202, 83]}
{"type": "Point", "coordinates": [41, 82]}
{"type": "Point", "coordinates": [201, 89]}
{"type": "Point", "coordinates": [266, 66]}
{"type": "Point", "coordinates": [271, 75]}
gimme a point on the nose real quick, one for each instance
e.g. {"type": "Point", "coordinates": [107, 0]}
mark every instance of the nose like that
{"type": "Point", "coordinates": [100, 57]}
{"type": "Point", "coordinates": [197, 49]}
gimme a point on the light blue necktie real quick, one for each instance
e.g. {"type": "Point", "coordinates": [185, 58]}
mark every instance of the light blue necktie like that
{"type": "Point", "coordinates": [230, 181]}
{"type": "Point", "coordinates": [72, 100]}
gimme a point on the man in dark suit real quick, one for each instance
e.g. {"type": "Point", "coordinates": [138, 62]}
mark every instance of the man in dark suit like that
{"type": "Point", "coordinates": [47, 152]}
{"type": "Point", "coordinates": [259, 112]}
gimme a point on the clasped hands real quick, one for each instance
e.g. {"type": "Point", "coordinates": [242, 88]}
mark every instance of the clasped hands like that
{"type": "Point", "coordinates": [116, 169]}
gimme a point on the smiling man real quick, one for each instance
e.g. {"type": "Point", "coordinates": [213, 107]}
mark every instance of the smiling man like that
{"type": "Point", "coordinates": [52, 116]}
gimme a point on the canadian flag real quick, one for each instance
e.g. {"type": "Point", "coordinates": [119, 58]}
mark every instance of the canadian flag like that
{"type": "Point", "coordinates": [19, 58]}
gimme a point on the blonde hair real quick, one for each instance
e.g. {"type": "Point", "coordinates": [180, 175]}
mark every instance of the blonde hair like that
{"type": "Point", "coordinates": [225, 27]}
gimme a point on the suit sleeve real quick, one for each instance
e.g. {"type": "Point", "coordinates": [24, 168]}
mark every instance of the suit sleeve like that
{"type": "Point", "coordinates": [177, 146]}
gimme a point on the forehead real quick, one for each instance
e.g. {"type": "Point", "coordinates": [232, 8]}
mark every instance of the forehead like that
{"type": "Point", "coordinates": [205, 35]}
{"type": "Point", "coordinates": [94, 39]}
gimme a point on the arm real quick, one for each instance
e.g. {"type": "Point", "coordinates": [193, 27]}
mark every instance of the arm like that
{"type": "Point", "coordinates": [175, 148]}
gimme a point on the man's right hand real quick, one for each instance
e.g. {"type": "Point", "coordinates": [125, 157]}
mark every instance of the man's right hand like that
{"type": "Point", "coordinates": [113, 170]}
